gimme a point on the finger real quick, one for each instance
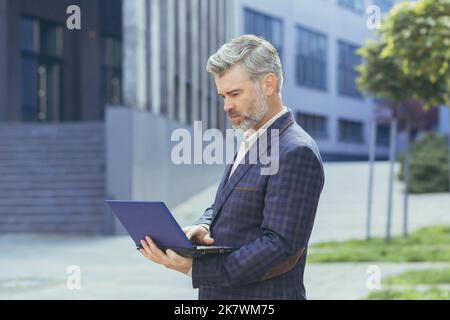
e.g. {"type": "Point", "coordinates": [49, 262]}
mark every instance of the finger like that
{"type": "Point", "coordinates": [150, 253]}
{"type": "Point", "coordinates": [207, 239]}
{"type": "Point", "coordinates": [145, 246]}
{"type": "Point", "coordinates": [142, 251]}
{"type": "Point", "coordinates": [146, 255]}
{"type": "Point", "coordinates": [190, 234]}
{"type": "Point", "coordinates": [155, 250]}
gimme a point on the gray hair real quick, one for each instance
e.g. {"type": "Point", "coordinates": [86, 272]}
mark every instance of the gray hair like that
{"type": "Point", "coordinates": [257, 56]}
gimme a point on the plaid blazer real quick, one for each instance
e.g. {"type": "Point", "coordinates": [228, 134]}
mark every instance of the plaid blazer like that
{"type": "Point", "coordinates": [269, 217]}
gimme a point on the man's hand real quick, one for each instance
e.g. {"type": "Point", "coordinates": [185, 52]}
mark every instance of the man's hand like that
{"type": "Point", "coordinates": [199, 235]}
{"type": "Point", "coordinates": [169, 259]}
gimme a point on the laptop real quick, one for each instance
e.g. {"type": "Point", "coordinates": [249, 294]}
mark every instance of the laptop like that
{"type": "Point", "coordinates": [153, 218]}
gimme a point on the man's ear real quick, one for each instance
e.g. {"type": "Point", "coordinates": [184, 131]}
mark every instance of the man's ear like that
{"type": "Point", "coordinates": [269, 84]}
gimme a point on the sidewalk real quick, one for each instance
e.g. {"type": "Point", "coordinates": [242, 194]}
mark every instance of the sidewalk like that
{"type": "Point", "coordinates": [34, 266]}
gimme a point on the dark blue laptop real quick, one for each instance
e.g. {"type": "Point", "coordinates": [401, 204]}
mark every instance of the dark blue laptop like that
{"type": "Point", "coordinates": [143, 218]}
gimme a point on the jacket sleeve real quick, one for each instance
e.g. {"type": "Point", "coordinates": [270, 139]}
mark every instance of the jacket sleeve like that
{"type": "Point", "coordinates": [290, 205]}
{"type": "Point", "coordinates": [206, 217]}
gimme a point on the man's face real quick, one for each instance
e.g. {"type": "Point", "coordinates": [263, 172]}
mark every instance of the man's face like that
{"type": "Point", "coordinates": [244, 102]}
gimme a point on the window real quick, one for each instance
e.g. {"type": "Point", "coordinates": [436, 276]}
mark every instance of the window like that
{"type": "Point", "coordinates": [351, 131]}
{"type": "Point", "coordinates": [315, 125]}
{"type": "Point", "coordinates": [112, 70]}
{"type": "Point", "coordinates": [311, 62]}
{"type": "Point", "coordinates": [265, 26]}
{"type": "Point", "coordinates": [353, 5]}
{"type": "Point", "coordinates": [383, 133]}
{"type": "Point", "coordinates": [385, 5]}
{"type": "Point", "coordinates": [188, 64]}
{"type": "Point", "coordinates": [348, 60]}
{"type": "Point", "coordinates": [42, 50]}
{"type": "Point", "coordinates": [163, 53]}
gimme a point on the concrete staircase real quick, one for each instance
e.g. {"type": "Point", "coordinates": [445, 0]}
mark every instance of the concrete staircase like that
{"type": "Point", "coordinates": [52, 178]}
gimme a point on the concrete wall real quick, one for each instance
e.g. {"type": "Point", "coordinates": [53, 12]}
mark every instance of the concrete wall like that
{"type": "Point", "coordinates": [139, 166]}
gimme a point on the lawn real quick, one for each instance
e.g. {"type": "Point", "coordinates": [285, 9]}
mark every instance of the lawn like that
{"type": "Point", "coordinates": [430, 244]}
{"type": "Point", "coordinates": [427, 284]}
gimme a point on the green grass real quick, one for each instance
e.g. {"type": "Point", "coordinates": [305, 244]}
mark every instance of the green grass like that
{"type": "Point", "coordinates": [425, 284]}
{"type": "Point", "coordinates": [417, 277]}
{"type": "Point", "coordinates": [410, 294]}
{"type": "Point", "coordinates": [427, 244]}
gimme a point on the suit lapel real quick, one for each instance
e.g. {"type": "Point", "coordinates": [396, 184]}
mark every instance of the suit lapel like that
{"type": "Point", "coordinates": [227, 185]}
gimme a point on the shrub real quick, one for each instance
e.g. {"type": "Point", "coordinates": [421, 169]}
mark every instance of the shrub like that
{"type": "Point", "coordinates": [428, 164]}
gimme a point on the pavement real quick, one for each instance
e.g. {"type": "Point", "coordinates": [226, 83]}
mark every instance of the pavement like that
{"type": "Point", "coordinates": [35, 266]}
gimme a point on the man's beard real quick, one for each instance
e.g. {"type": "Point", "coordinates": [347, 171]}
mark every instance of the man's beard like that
{"type": "Point", "coordinates": [259, 110]}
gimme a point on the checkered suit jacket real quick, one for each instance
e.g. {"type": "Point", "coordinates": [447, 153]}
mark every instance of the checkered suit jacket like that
{"type": "Point", "coordinates": [269, 217]}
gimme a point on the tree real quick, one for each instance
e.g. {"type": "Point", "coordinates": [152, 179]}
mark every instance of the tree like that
{"type": "Point", "coordinates": [420, 42]}
{"type": "Point", "coordinates": [409, 61]}
{"type": "Point", "coordinates": [383, 77]}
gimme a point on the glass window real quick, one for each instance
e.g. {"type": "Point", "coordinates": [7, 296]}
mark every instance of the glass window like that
{"type": "Point", "coordinates": [112, 70]}
{"type": "Point", "coordinates": [347, 74]}
{"type": "Point", "coordinates": [315, 125]}
{"type": "Point", "coordinates": [383, 133]}
{"type": "Point", "coordinates": [311, 62]}
{"type": "Point", "coordinates": [265, 26]}
{"type": "Point", "coordinates": [42, 49]}
{"type": "Point", "coordinates": [353, 5]}
{"type": "Point", "coordinates": [30, 35]}
{"type": "Point", "coordinates": [51, 40]}
{"type": "Point", "coordinates": [385, 5]}
{"type": "Point", "coordinates": [351, 131]}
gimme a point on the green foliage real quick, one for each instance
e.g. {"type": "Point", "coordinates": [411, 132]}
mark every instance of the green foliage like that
{"type": "Point", "coordinates": [428, 165]}
{"type": "Point", "coordinates": [410, 59]}
{"type": "Point", "coordinates": [418, 37]}
{"type": "Point", "coordinates": [426, 244]}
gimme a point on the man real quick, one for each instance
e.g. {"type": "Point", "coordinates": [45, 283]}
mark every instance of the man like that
{"type": "Point", "coordinates": [268, 217]}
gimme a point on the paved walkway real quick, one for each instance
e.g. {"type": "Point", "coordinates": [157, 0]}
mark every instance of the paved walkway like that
{"type": "Point", "coordinates": [34, 266]}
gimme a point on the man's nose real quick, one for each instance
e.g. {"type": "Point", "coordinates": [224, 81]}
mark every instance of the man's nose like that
{"type": "Point", "coordinates": [227, 107]}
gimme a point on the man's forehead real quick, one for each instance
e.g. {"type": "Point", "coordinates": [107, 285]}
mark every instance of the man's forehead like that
{"type": "Point", "coordinates": [233, 79]}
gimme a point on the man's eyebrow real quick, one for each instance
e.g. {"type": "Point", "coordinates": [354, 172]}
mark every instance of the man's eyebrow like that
{"type": "Point", "coordinates": [230, 92]}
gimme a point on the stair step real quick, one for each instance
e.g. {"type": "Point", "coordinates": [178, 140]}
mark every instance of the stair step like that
{"type": "Point", "coordinates": [52, 201]}
{"type": "Point", "coordinates": [52, 193]}
{"type": "Point", "coordinates": [60, 210]}
{"type": "Point", "coordinates": [32, 163]}
{"type": "Point", "coordinates": [88, 227]}
{"type": "Point", "coordinates": [19, 148]}
{"type": "Point", "coordinates": [52, 177]}
{"type": "Point", "coordinates": [48, 185]}
{"type": "Point", "coordinates": [53, 155]}
{"type": "Point", "coordinates": [46, 177]}
{"type": "Point", "coordinates": [61, 169]}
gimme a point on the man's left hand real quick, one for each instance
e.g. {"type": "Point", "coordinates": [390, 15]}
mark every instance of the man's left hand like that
{"type": "Point", "coordinates": [170, 259]}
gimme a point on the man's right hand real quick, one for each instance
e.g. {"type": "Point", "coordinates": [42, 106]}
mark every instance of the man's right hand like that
{"type": "Point", "coordinates": [199, 234]}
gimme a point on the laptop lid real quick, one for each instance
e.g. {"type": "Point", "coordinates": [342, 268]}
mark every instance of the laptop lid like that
{"type": "Point", "coordinates": [143, 218]}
